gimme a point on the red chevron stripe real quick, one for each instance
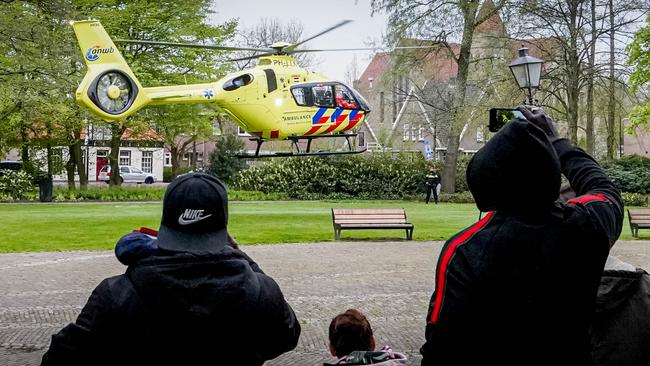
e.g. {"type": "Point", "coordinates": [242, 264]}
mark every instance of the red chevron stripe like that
{"type": "Point", "coordinates": [313, 129]}
{"type": "Point", "coordinates": [341, 118]}
{"type": "Point", "coordinates": [323, 119]}
{"type": "Point", "coordinates": [353, 122]}
{"type": "Point", "coordinates": [333, 127]}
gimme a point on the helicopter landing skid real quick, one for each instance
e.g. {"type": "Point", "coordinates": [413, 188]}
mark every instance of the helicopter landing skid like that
{"type": "Point", "coordinates": [297, 151]}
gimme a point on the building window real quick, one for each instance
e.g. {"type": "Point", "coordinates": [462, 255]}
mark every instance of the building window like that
{"type": "Point", "coordinates": [125, 157]}
{"type": "Point", "coordinates": [413, 133]}
{"type": "Point", "coordinates": [242, 132]}
{"type": "Point", "coordinates": [147, 161]}
{"type": "Point", "coordinates": [186, 156]}
{"type": "Point", "coordinates": [168, 159]}
{"type": "Point", "coordinates": [361, 138]}
{"type": "Point", "coordinates": [199, 156]}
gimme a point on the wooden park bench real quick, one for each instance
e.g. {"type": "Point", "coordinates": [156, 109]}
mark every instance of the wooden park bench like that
{"type": "Point", "coordinates": [639, 219]}
{"type": "Point", "coordinates": [370, 218]}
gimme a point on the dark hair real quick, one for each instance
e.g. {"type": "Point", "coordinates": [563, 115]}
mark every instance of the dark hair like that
{"type": "Point", "coordinates": [350, 331]}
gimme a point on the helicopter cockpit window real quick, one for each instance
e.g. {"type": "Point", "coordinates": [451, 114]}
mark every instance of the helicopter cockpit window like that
{"type": "Point", "coordinates": [344, 98]}
{"type": "Point", "coordinates": [299, 96]}
{"type": "Point", "coordinates": [238, 82]}
{"type": "Point", "coordinates": [323, 96]}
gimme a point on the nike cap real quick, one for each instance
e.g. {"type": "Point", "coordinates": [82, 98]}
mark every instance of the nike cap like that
{"type": "Point", "coordinates": [195, 214]}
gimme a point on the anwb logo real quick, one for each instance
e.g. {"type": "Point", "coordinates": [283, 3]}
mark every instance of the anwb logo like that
{"type": "Point", "coordinates": [92, 54]}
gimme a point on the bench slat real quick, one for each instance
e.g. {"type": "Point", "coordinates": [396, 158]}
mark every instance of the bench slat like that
{"type": "Point", "coordinates": [376, 226]}
{"type": "Point", "coordinates": [368, 211]}
{"type": "Point", "coordinates": [385, 221]}
{"type": "Point", "coordinates": [370, 217]}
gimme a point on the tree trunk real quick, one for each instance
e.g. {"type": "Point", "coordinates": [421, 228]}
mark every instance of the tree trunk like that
{"type": "Point", "coordinates": [573, 82]}
{"type": "Point", "coordinates": [175, 160]}
{"type": "Point", "coordinates": [80, 161]}
{"type": "Point", "coordinates": [24, 151]}
{"type": "Point", "coordinates": [48, 149]}
{"type": "Point", "coordinates": [194, 155]}
{"type": "Point", "coordinates": [612, 86]}
{"type": "Point", "coordinates": [117, 129]}
{"type": "Point", "coordinates": [69, 167]}
{"type": "Point", "coordinates": [453, 140]}
{"type": "Point", "coordinates": [590, 84]}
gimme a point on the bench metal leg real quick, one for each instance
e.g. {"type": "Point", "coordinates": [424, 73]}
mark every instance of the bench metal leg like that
{"type": "Point", "coordinates": [409, 234]}
{"type": "Point", "coordinates": [337, 234]}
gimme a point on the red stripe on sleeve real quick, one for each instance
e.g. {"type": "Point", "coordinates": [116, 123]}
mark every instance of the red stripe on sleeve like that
{"type": "Point", "coordinates": [588, 198]}
{"type": "Point", "coordinates": [446, 258]}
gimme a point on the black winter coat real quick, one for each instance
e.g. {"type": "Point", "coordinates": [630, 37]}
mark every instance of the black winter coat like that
{"type": "Point", "coordinates": [518, 287]}
{"type": "Point", "coordinates": [620, 331]}
{"type": "Point", "coordinates": [181, 309]}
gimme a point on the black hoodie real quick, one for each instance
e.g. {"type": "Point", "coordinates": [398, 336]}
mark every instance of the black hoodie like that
{"type": "Point", "coordinates": [518, 287]}
{"type": "Point", "coordinates": [181, 309]}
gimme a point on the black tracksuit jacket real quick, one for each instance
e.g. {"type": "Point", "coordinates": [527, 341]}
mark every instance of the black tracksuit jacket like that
{"type": "Point", "coordinates": [181, 309]}
{"type": "Point", "coordinates": [518, 287]}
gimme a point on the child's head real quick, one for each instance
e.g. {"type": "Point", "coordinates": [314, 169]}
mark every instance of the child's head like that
{"type": "Point", "coordinates": [350, 331]}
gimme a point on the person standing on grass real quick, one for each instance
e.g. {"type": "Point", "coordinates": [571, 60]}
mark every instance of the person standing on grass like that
{"type": "Point", "coordinates": [519, 287]}
{"type": "Point", "coordinates": [432, 184]}
{"type": "Point", "coordinates": [187, 297]}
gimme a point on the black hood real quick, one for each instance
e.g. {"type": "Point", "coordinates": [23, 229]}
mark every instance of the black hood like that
{"type": "Point", "coordinates": [517, 170]}
{"type": "Point", "coordinates": [199, 286]}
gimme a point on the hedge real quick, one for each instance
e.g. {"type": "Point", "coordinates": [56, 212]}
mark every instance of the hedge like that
{"type": "Point", "coordinates": [630, 173]}
{"type": "Point", "coordinates": [371, 176]}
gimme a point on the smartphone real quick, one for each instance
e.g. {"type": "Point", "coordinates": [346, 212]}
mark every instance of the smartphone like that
{"type": "Point", "coordinates": [501, 116]}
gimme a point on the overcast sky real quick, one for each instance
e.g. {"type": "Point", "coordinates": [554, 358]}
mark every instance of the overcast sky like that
{"type": "Point", "coordinates": [315, 16]}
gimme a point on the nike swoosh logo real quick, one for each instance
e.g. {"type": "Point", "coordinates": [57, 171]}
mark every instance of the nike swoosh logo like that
{"type": "Point", "coordinates": [183, 221]}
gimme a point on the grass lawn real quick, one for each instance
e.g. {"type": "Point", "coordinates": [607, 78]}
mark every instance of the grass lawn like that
{"type": "Point", "coordinates": [68, 226]}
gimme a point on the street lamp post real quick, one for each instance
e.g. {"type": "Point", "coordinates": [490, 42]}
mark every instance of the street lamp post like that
{"type": "Point", "coordinates": [527, 71]}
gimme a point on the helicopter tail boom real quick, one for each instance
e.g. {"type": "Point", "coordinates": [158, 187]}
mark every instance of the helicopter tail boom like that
{"type": "Point", "coordinates": [111, 90]}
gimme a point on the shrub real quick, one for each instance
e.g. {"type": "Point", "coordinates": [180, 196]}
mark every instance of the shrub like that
{"type": "Point", "coordinates": [458, 197]}
{"type": "Point", "coordinates": [635, 199]}
{"type": "Point", "coordinates": [630, 173]}
{"type": "Point", "coordinates": [15, 184]}
{"type": "Point", "coordinates": [167, 174]}
{"type": "Point", "coordinates": [224, 163]}
{"type": "Point", "coordinates": [371, 176]}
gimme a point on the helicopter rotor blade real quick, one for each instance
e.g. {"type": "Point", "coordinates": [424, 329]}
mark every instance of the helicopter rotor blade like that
{"type": "Point", "coordinates": [364, 49]}
{"type": "Point", "coordinates": [192, 45]}
{"type": "Point", "coordinates": [251, 57]}
{"type": "Point", "coordinates": [340, 24]}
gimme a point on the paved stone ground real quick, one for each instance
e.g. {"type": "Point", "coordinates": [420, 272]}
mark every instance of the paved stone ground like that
{"type": "Point", "coordinates": [389, 281]}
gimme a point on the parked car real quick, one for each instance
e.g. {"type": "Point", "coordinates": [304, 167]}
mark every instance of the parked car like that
{"type": "Point", "coordinates": [128, 174]}
{"type": "Point", "coordinates": [11, 165]}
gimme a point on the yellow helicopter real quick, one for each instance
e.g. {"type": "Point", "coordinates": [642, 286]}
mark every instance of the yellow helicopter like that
{"type": "Point", "coordinates": [275, 100]}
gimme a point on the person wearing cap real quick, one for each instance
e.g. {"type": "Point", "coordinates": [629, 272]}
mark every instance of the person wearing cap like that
{"type": "Point", "coordinates": [187, 296]}
{"type": "Point", "coordinates": [519, 286]}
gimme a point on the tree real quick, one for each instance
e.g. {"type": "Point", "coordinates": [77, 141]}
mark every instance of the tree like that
{"type": "Point", "coordinates": [440, 20]}
{"type": "Point", "coordinates": [267, 32]}
{"type": "Point", "coordinates": [224, 163]}
{"type": "Point", "coordinates": [181, 126]}
{"type": "Point", "coordinates": [572, 33]}
{"type": "Point", "coordinates": [639, 51]}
